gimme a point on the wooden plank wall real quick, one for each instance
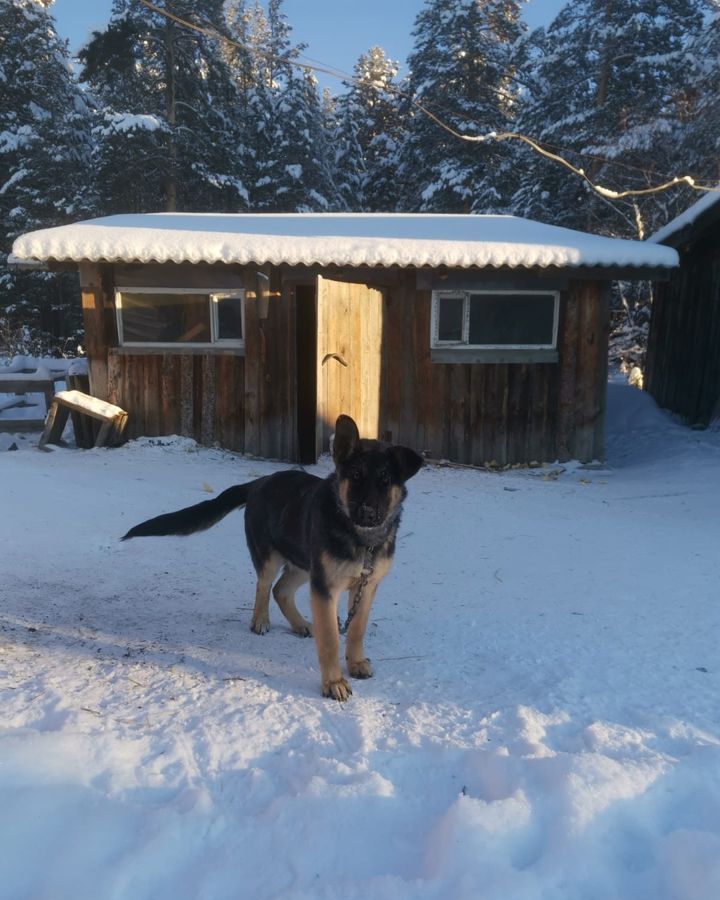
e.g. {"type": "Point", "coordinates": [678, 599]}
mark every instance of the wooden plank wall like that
{"type": "Point", "coordinates": [244, 403]}
{"type": "Point", "coordinates": [270, 369]}
{"type": "Point", "coordinates": [473, 413]}
{"type": "Point", "coordinates": [683, 358]}
{"type": "Point", "coordinates": [195, 395]}
{"type": "Point", "coordinates": [502, 414]}
{"type": "Point", "coordinates": [584, 331]}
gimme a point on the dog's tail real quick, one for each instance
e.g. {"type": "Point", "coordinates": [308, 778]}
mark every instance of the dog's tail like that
{"type": "Point", "coordinates": [194, 518]}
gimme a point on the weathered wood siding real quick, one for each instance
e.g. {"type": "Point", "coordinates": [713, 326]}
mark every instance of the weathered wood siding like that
{"type": "Point", "coordinates": [683, 357]}
{"type": "Point", "coordinates": [467, 412]}
{"type": "Point", "coordinates": [501, 413]}
{"type": "Point", "coordinates": [195, 395]}
{"type": "Point", "coordinates": [270, 370]}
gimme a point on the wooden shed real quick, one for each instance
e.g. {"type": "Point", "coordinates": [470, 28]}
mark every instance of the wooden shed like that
{"type": "Point", "coordinates": [682, 370]}
{"type": "Point", "coordinates": [472, 338]}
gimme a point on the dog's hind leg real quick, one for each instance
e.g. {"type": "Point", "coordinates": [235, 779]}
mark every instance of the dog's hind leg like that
{"type": "Point", "coordinates": [266, 573]}
{"type": "Point", "coordinates": [284, 592]}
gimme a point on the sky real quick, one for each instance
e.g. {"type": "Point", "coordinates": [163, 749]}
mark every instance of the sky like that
{"type": "Point", "coordinates": [336, 31]}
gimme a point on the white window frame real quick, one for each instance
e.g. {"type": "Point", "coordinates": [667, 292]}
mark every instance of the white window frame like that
{"type": "Point", "coordinates": [463, 343]}
{"type": "Point", "coordinates": [213, 296]}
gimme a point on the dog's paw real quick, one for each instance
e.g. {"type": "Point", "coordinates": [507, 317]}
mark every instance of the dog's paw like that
{"type": "Point", "coordinates": [361, 668]}
{"type": "Point", "coordinates": [337, 690]}
{"type": "Point", "coordinates": [261, 625]}
{"type": "Point", "coordinates": [304, 630]}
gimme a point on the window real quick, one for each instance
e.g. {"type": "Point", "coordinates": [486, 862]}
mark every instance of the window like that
{"type": "Point", "coordinates": [180, 317]}
{"type": "Point", "coordinates": [495, 320]}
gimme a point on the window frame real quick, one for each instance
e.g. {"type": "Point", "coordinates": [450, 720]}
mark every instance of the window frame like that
{"type": "Point", "coordinates": [213, 295]}
{"type": "Point", "coordinates": [464, 345]}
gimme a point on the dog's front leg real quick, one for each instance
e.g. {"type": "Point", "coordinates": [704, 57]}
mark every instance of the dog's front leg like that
{"type": "Point", "coordinates": [327, 639]}
{"type": "Point", "coordinates": [358, 664]}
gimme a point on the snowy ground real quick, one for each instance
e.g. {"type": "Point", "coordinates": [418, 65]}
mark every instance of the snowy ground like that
{"type": "Point", "coordinates": [544, 721]}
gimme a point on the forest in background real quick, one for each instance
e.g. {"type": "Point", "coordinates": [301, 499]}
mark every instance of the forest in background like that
{"type": "Point", "coordinates": [152, 116]}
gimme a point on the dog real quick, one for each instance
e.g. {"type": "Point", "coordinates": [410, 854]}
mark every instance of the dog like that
{"type": "Point", "coordinates": [338, 532]}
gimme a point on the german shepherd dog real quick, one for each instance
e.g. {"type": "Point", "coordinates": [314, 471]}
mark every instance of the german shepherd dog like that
{"type": "Point", "coordinates": [338, 532]}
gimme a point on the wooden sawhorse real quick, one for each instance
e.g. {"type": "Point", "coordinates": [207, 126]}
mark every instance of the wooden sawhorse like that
{"type": "Point", "coordinates": [63, 403]}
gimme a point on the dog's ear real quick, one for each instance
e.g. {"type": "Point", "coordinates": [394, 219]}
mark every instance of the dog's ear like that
{"type": "Point", "coordinates": [347, 438]}
{"type": "Point", "coordinates": [407, 461]}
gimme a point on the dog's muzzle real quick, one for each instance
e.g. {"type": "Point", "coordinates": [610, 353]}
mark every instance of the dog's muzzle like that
{"type": "Point", "coordinates": [367, 516]}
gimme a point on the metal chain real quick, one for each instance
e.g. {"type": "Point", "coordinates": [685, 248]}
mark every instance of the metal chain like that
{"type": "Point", "coordinates": [367, 570]}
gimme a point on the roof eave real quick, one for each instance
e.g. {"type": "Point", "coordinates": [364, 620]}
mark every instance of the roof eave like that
{"type": "Point", "coordinates": [686, 233]}
{"type": "Point", "coordinates": [581, 272]}
{"type": "Point", "coordinates": [27, 265]}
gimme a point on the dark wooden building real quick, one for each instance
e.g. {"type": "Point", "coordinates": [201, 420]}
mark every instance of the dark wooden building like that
{"type": "Point", "coordinates": [471, 338]}
{"type": "Point", "coordinates": [682, 370]}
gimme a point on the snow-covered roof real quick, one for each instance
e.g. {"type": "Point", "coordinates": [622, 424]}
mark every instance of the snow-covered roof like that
{"type": "Point", "coordinates": [688, 218]}
{"type": "Point", "coordinates": [374, 239]}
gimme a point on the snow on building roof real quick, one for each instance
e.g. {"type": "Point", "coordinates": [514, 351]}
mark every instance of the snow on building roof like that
{"type": "Point", "coordinates": [688, 218]}
{"type": "Point", "coordinates": [370, 239]}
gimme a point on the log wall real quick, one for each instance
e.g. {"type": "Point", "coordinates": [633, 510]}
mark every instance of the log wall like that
{"type": "Point", "coordinates": [683, 357]}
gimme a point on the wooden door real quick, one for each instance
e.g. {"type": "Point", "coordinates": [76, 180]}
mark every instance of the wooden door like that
{"type": "Point", "coordinates": [349, 343]}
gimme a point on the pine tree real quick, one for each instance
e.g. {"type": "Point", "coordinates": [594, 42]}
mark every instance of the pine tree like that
{"type": "Point", "coordinates": [252, 69]}
{"type": "Point", "coordinates": [461, 70]}
{"type": "Point", "coordinates": [281, 52]}
{"type": "Point", "coordinates": [44, 160]}
{"type": "Point", "coordinates": [700, 109]}
{"type": "Point", "coordinates": [169, 136]}
{"type": "Point", "coordinates": [268, 54]}
{"type": "Point", "coordinates": [249, 31]}
{"type": "Point", "coordinates": [368, 132]}
{"type": "Point", "coordinates": [606, 83]}
{"type": "Point", "coordinates": [294, 164]}
{"type": "Point", "coordinates": [299, 173]}
{"type": "Point", "coordinates": [348, 164]}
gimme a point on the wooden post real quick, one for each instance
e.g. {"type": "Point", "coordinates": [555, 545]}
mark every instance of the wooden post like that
{"type": "Point", "coordinates": [567, 346]}
{"type": "Point", "coordinates": [603, 338]}
{"type": "Point", "coordinates": [253, 366]}
{"type": "Point", "coordinates": [98, 317]}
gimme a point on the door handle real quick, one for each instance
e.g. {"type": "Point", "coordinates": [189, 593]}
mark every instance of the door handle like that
{"type": "Point", "coordinates": [334, 356]}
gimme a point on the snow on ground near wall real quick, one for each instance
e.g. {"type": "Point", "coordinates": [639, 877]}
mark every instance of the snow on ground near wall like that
{"type": "Point", "coordinates": [543, 722]}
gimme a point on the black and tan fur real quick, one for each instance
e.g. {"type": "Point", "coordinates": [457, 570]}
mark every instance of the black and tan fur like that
{"type": "Point", "coordinates": [318, 530]}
